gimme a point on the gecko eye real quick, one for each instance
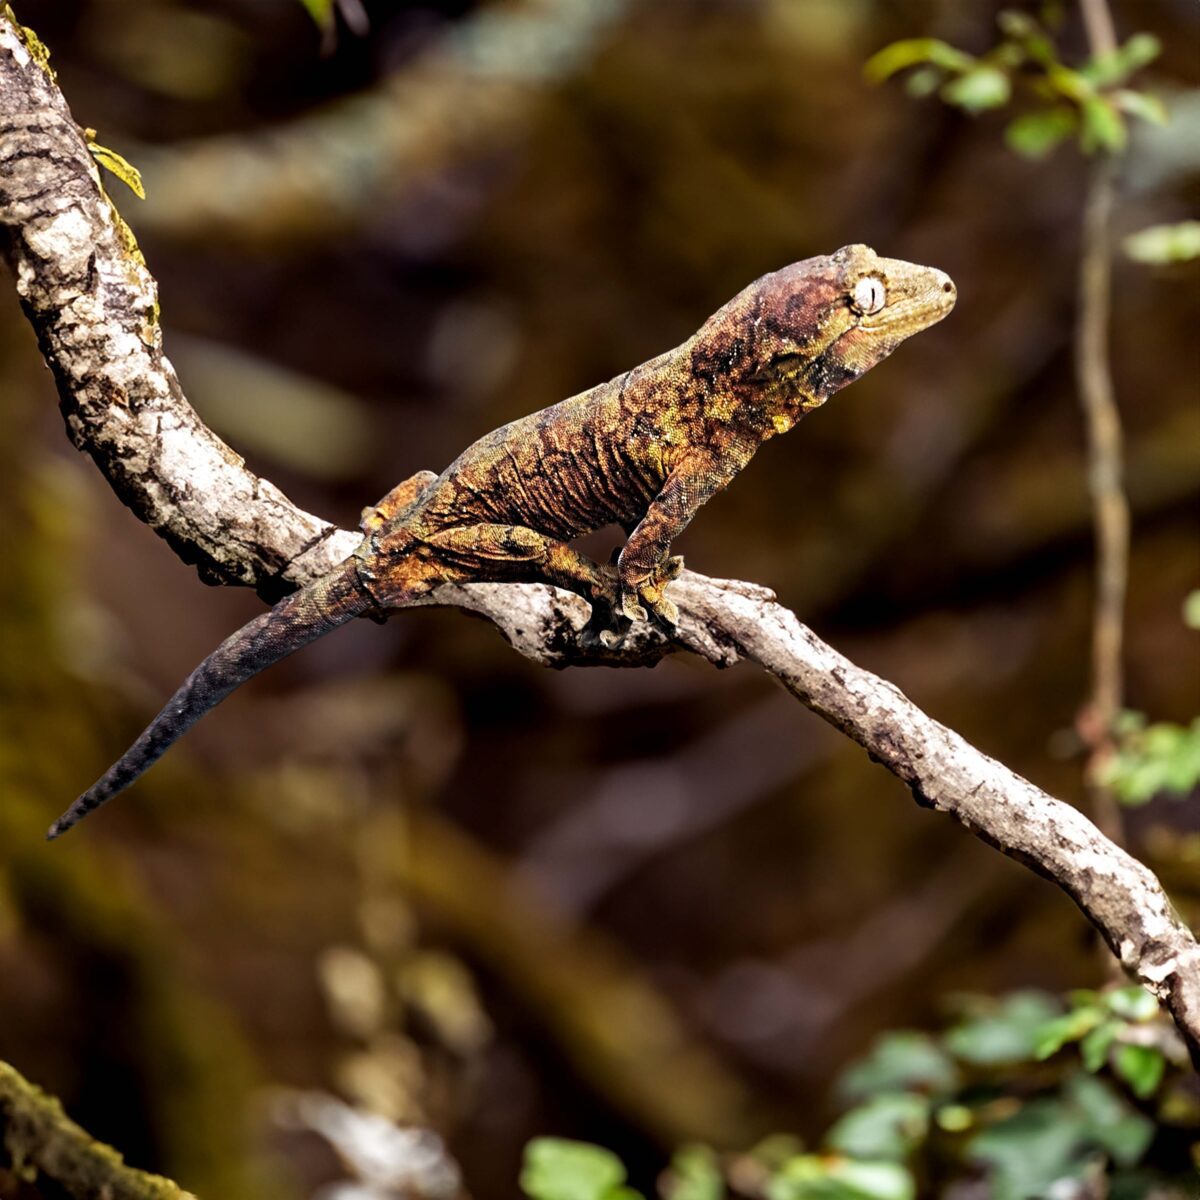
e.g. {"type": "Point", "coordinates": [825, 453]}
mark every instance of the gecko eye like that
{"type": "Point", "coordinates": [869, 295]}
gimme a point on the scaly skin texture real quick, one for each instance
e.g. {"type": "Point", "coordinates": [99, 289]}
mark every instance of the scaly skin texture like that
{"type": "Point", "coordinates": [643, 451]}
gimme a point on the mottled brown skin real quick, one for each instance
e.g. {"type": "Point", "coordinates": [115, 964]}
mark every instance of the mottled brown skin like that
{"type": "Point", "coordinates": [643, 451]}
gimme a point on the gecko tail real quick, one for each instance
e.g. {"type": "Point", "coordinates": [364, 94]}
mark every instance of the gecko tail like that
{"type": "Point", "coordinates": [294, 622]}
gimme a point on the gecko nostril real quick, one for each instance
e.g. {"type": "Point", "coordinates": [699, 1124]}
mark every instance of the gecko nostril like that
{"type": "Point", "coordinates": [947, 287]}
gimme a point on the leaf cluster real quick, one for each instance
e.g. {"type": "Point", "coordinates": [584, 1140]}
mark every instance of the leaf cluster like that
{"type": "Point", "coordinates": [1161, 758]}
{"type": "Point", "coordinates": [1090, 101]}
{"type": "Point", "coordinates": [1032, 1095]}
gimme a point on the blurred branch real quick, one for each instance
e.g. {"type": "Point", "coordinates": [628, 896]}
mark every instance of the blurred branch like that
{"type": "Point", "coordinates": [617, 1030]}
{"type": "Point", "coordinates": [40, 1142]}
{"type": "Point", "coordinates": [469, 93]}
{"type": "Point", "coordinates": [91, 302]}
{"type": "Point", "coordinates": [1110, 506]}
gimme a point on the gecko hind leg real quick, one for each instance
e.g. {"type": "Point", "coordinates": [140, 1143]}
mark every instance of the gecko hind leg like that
{"type": "Point", "coordinates": [397, 502]}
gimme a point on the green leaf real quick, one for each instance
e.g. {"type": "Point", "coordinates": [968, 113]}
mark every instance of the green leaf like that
{"type": "Point", "coordinates": [1103, 127]}
{"type": "Point", "coordinates": [900, 1061]}
{"type": "Point", "coordinates": [120, 166]}
{"type": "Point", "coordinates": [1094, 1048]}
{"type": "Point", "coordinates": [1191, 605]}
{"type": "Point", "coordinates": [887, 1127]}
{"type": "Point", "coordinates": [954, 1118]}
{"type": "Point", "coordinates": [1005, 1031]}
{"type": "Point", "coordinates": [924, 82]}
{"type": "Point", "coordinates": [980, 88]}
{"type": "Point", "coordinates": [1117, 65]}
{"type": "Point", "coordinates": [321, 12]}
{"type": "Point", "coordinates": [1036, 134]}
{"type": "Point", "coordinates": [1031, 1150]}
{"type": "Point", "coordinates": [1141, 1067]}
{"type": "Point", "coordinates": [1133, 1003]}
{"type": "Point", "coordinates": [1016, 24]}
{"type": "Point", "coordinates": [810, 1177]}
{"type": "Point", "coordinates": [911, 52]}
{"type": "Point", "coordinates": [1073, 85]}
{"type": "Point", "coordinates": [1070, 1027]}
{"type": "Point", "coordinates": [695, 1175]}
{"type": "Point", "coordinates": [1108, 1120]}
{"type": "Point", "coordinates": [1161, 758]}
{"type": "Point", "coordinates": [1160, 244]}
{"type": "Point", "coordinates": [1141, 105]}
{"type": "Point", "coordinates": [556, 1169]}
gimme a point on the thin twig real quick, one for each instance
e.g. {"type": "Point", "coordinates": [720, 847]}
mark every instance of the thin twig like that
{"type": "Point", "coordinates": [1110, 507]}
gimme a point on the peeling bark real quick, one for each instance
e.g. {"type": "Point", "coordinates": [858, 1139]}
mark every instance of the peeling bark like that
{"type": "Point", "coordinates": [93, 305]}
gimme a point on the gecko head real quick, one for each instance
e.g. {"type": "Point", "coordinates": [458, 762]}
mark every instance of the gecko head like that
{"type": "Point", "coordinates": [817, 325]}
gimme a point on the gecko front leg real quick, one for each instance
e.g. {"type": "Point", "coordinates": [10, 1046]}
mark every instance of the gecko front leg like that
{"type": "Point", "coordinates": [645, 566]}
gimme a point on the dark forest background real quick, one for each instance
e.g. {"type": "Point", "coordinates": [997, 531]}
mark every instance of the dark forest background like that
{"type": "Point", "coordinates": [409, 868]}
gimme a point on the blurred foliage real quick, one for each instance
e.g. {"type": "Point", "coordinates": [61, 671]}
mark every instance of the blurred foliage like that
{"type": "Point", "coordinates": [1088, 100]}
{"type": "Point", "coordinates": [1155, 759]}
{"type": "Point", "coordinates": [1162, 244]}
{"type": "Point", "coordinates": [1038, 1096]}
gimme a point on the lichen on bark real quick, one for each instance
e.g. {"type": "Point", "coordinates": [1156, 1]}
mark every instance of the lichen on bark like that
{"type": "Point", "coordinates": [39, 1140]}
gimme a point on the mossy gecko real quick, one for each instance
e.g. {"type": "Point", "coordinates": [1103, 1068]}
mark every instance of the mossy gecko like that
{"type": "Point", "coordinates": [643, 451]}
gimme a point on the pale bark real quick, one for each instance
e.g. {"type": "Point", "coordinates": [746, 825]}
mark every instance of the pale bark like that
{"type": "Point", "coordinates": [92, 303]}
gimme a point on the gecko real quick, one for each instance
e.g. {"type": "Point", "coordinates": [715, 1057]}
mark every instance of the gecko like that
{"type": "Point", "coordinates": [643, 451]}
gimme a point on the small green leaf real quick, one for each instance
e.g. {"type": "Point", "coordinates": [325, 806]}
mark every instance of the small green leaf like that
{"type": "Point", "coordinates": [695, 1175]}
{"type": "Point", "coordinates": [120, 166]}
{"type": "Point", "coordinates": [556, 1169]}
{"type": "Point", "coordinates": [899, 1061]}
{"type": "Point", "coordinates": [321, 12]}
{"type": "Point", "coordinates": [978, 89]}
{"type": "Point", "coordinates": [1103, 127]}
{"type": "Point", "coordinates": [1070, 1027]}
{"type": "Point", "coordinates": [1141, 1067]}
{"type": "Point", "coordinates": [1161, 758]}
{"type": "Point", "coordinates": [1191, 605]}
{"type": "Point", "coordinates": [911, 52]}
{"type": "Point", "coordinates": [1141, 105]}
{"type": "Point", "coordinates": [1116, 66]}
{"type": "Point", "coordinates": [810, 1177]}
{"type": "Point", "coordinates": [1108, 1120]}
{"type": "Point", "coordinates": [1094, 1048]}
{"type": "Point", "coordinates": [1005, 1031]}
{"type": "Point", "coordinates": [1157, 245]}
{"type": "Point", "coordinates": [1072, 85]}
{"type": "Point", "coordinates": [1036, 134]}
{"type": "Point", "coordinates": [924, 82]}
{"type": "Point", "coordinates": [1016, 24]}
{"type": "Point", "coordinates": [954, 1118]}
{"type": "Point", "coordinates": [1029, 1151]}
{"type": "Point", "coordinates": [886, 1127]}
{"type": "Point", "coordinates": [1133, 1003]}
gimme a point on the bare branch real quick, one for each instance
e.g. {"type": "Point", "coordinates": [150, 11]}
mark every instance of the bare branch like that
{"type": "Point", "coordinates": [472, 91]}
{"type": "Point", "coordinates": [92, 304]}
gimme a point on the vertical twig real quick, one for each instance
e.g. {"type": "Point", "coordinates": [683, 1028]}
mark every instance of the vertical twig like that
{"type": "Point", "coordinates": [1098, 25]}
{"type": "Point", "coordinates": [1110, 509]}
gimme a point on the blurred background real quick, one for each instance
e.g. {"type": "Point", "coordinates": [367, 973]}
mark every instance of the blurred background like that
{"type": "Point", "coordinates": [411, 871]}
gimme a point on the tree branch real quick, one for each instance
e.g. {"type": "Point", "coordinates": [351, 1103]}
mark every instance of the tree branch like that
{"type": "Point", "coordinates": [92, 302]}
{"type": "Point", "coordinates": [39, 1141]}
